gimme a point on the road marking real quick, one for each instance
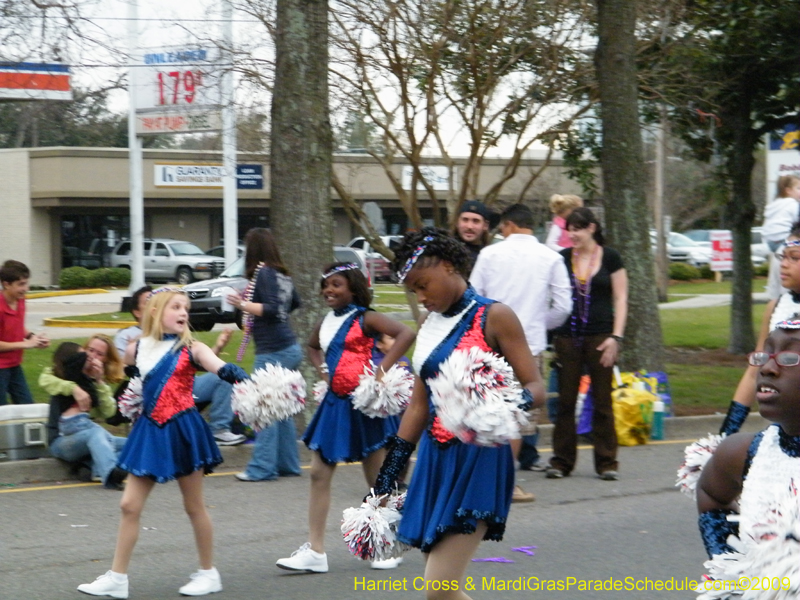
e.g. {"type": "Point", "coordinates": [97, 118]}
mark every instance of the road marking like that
{"type": "Point", "coordinates": [353, 464]}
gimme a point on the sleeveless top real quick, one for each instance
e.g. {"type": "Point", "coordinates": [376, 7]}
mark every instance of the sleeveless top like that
{"type": "Point", "coordinates": [772, 482]}
{"type": "Point", "coordinates": [461, 327]}
{"type": "Point", "coordinates": [785, 308]}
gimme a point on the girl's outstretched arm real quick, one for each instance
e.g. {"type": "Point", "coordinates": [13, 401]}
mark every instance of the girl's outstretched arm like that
{"type": "Point", "coordinates": [205, 357]}
{"type": "Point", "coordinates": [403, 335]}
{"type": "Point", "coordinates": [505, 335]}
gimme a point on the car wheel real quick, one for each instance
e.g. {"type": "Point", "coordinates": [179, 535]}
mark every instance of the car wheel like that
{"type": "Point", "coordinates": [184, 275]}
{"type": "Point", "coordinates": [201, 324]}
{"type": "Point", "coordinates": [239, 318]}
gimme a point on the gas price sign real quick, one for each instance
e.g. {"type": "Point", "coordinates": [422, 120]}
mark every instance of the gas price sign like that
{"type": "Point", "coordinates": [176, 86]}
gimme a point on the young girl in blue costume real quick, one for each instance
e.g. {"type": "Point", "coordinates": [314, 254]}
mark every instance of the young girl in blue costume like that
{"type": "Point", "coordinates": [460, 493]}
{"type": "Point", "coordinates": [170, 440]}
{"type": "Point", "coordinates": [339, 348]}
{"type": "Point", "coordinates": [757, 476]}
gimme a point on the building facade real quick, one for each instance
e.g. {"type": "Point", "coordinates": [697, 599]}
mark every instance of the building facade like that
{"type": "Point", "coordinates": [70, 206]}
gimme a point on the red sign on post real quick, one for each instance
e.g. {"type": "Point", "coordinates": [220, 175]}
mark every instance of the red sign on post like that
{"type": "Point", "coordinates": [721, 251]}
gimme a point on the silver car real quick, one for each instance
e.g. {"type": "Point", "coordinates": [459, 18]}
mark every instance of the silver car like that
{"type": "Point", "coordinates": [170, 260]}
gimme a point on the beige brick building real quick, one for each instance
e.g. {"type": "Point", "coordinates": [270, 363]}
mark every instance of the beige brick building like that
{"type": "Point", "coordinates": [69, 206]}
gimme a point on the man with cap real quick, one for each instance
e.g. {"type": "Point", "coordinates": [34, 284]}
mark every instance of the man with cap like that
{"type": "Point", "coordinates": [472, 227]}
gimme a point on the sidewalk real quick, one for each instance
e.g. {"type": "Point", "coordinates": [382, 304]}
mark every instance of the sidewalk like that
{"type": "Point", "coordinates": [43, 470]}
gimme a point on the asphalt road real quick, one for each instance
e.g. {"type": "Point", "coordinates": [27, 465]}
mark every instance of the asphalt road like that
{"type": "Point", "coordinates": [56, 537]}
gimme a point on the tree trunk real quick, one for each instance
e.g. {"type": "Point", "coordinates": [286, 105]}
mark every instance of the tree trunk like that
{"type": "Point", "coordinates": [740, 212]}
{"type": "Point", "coordinates": [301, 152]}
{"type": "Point", "coordinates": [626, 215]}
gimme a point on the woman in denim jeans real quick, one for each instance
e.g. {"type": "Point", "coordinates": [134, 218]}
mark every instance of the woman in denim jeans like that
{"type": "Point", "coordinates": [266, 303]}
{"type": "Point", "coordinates": [78, 384]}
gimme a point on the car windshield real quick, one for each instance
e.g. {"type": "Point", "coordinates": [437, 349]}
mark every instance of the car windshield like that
{"type": "Point", "coordinates": [678, 239]}
{"type": "Point", "coordinates": [235, 270]}
{"type": "Point", "coordinates": [186, 249]}
{"type": "Point", "coordinates": [699, 235]}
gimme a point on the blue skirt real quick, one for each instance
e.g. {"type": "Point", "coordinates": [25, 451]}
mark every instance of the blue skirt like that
{"type": "Point", "coordinates": [454, 487]}
{"type": "Point", "coordinates": [182, 446]}
{"type": "Point", "coordinates": [340, 433]}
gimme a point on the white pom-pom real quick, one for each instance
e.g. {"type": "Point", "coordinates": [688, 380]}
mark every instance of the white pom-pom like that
{"type": "Point", "coordinates": [695, 457]}
{"type": "Point", "coordinates": [477, 396]}
{"type": "Point", "coordinates": [319, 391]}
{"type": "Point", "coordinates": [272, 394]}
{"type": "Point", "coordinates": [370, 531]}
{"type": "Point", "coordinates": [130, 402]}
{"type": "Point", "coordinates": [771, 554]}
{"type": "Point", "coordinates": [384, 398]}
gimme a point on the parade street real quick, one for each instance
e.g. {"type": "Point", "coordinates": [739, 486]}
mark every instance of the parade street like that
{"type": "Point", "coordinates": [633, 531]}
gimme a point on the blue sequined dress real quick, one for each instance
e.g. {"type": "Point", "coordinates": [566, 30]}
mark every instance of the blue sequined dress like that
{"type": "Point", "coordinates": [454, 485]}
{"type": "Point", "coordinates": [170, 439]}
{"type": "Point", "coordinates": [339, 432]}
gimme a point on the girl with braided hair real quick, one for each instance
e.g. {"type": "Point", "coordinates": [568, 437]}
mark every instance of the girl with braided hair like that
{"type": "Point", "coordinates": [340, 347]}
{"type": "Point", "coordinates": [460, 493]}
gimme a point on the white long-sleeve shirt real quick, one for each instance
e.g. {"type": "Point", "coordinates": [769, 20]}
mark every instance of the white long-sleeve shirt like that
{"type": "Point", "coordinates": [531, 279]}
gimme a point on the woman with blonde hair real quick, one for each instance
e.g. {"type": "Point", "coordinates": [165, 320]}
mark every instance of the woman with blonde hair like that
{"type": "Point", "coordinates": [80, 390]}
{"type": "Point", "coordinates": [561, 206]}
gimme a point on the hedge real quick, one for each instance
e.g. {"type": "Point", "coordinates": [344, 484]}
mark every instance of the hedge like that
{"type": "Point", "coordinates": [73, 278]}
{"type": "Point", "coordinates": [683, 271]}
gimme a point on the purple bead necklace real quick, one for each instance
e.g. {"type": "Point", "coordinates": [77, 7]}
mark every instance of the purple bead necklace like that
{"type": "Point", "coordinates": [581, 295]}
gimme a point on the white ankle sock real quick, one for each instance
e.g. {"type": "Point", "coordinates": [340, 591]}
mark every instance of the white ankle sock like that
{"type": "Point", "coordinates": [119, 577]}
{"type": "Point", "coordinates": [211, 571]}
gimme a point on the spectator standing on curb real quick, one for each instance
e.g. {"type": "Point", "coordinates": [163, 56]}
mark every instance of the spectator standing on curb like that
{"type": "Point", "coordinates": [561, 206]}
{"type": "Point", "coordinates": [472, 227]}
{"type": "Point", "coordinates": [590, 339]}
{"type": "Point", "coordinates": [207, 389]}
{"type": "Point", "coordinates": [532, 280]}
{"type": "Point", "coordinates": [779, 216]}
{"type": "Point", "coordinates": [14, 338]}
{"type": "Point", "coordinates": [267, 302]}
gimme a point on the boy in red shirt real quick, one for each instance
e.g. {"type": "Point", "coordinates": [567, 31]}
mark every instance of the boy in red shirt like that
{"type": "Point", "coordinates": [14, 338]}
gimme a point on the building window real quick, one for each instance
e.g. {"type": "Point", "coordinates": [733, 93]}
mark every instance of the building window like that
{"type": "Point", "coordinates": [87, 240]}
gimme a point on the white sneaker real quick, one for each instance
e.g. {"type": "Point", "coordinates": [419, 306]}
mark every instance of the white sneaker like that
{"type": "Point", "coordinates": [202, 583]}
{"type": "Point", "coordinates": [389, 563]}
{"type": "Point", "coordinates": [228, 438]}
{"type": "Point", "coordinates": [106, 586]}
{"type": "Point", "coordinates": [305, 559]}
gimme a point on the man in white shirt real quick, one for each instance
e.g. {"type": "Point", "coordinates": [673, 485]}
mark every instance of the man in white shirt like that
{"type": "Point", "coordinates": [530, 278]}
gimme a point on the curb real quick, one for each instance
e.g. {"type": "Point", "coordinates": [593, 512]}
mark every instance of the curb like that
{"type": "Point", "coordinates": [59, 322]}
{"type": "Point", "coordinates": [43, 470]}
{"type": "Point", "coordinates": [56, 293]}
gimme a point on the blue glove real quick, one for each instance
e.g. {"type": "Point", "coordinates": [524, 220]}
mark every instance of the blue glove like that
{"type": "Point", "coordinates": [737, 414]}
{"type": "Point", "coordinates": [232, 373]}
{"type": "Point", "coordinates": [397, 455]}
{"type": "Point", "coordinates": [526, 399]}
{"type": "Point", "coordinates": [715, 529]}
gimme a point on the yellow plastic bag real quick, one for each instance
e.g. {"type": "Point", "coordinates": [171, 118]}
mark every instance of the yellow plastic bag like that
{"type": "Point", "coordinates": [628, 379]}
{"type": "Point", "coordinates": [633, 415]}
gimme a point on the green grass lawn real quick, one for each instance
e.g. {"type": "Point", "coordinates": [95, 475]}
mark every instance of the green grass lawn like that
{"type": "Point", "coordinates": [701, 327]}
{"type": "Point", "coordinates": [698, 387]}
{"type": "Point", "coordinates": [710, 287]}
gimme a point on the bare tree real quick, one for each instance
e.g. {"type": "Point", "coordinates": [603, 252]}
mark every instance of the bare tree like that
{"type": "Point", "coordinates": [452, 77]}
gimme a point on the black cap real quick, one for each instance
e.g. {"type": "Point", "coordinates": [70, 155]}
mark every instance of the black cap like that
{"type": "Point", "coordinates": [475, 206]}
